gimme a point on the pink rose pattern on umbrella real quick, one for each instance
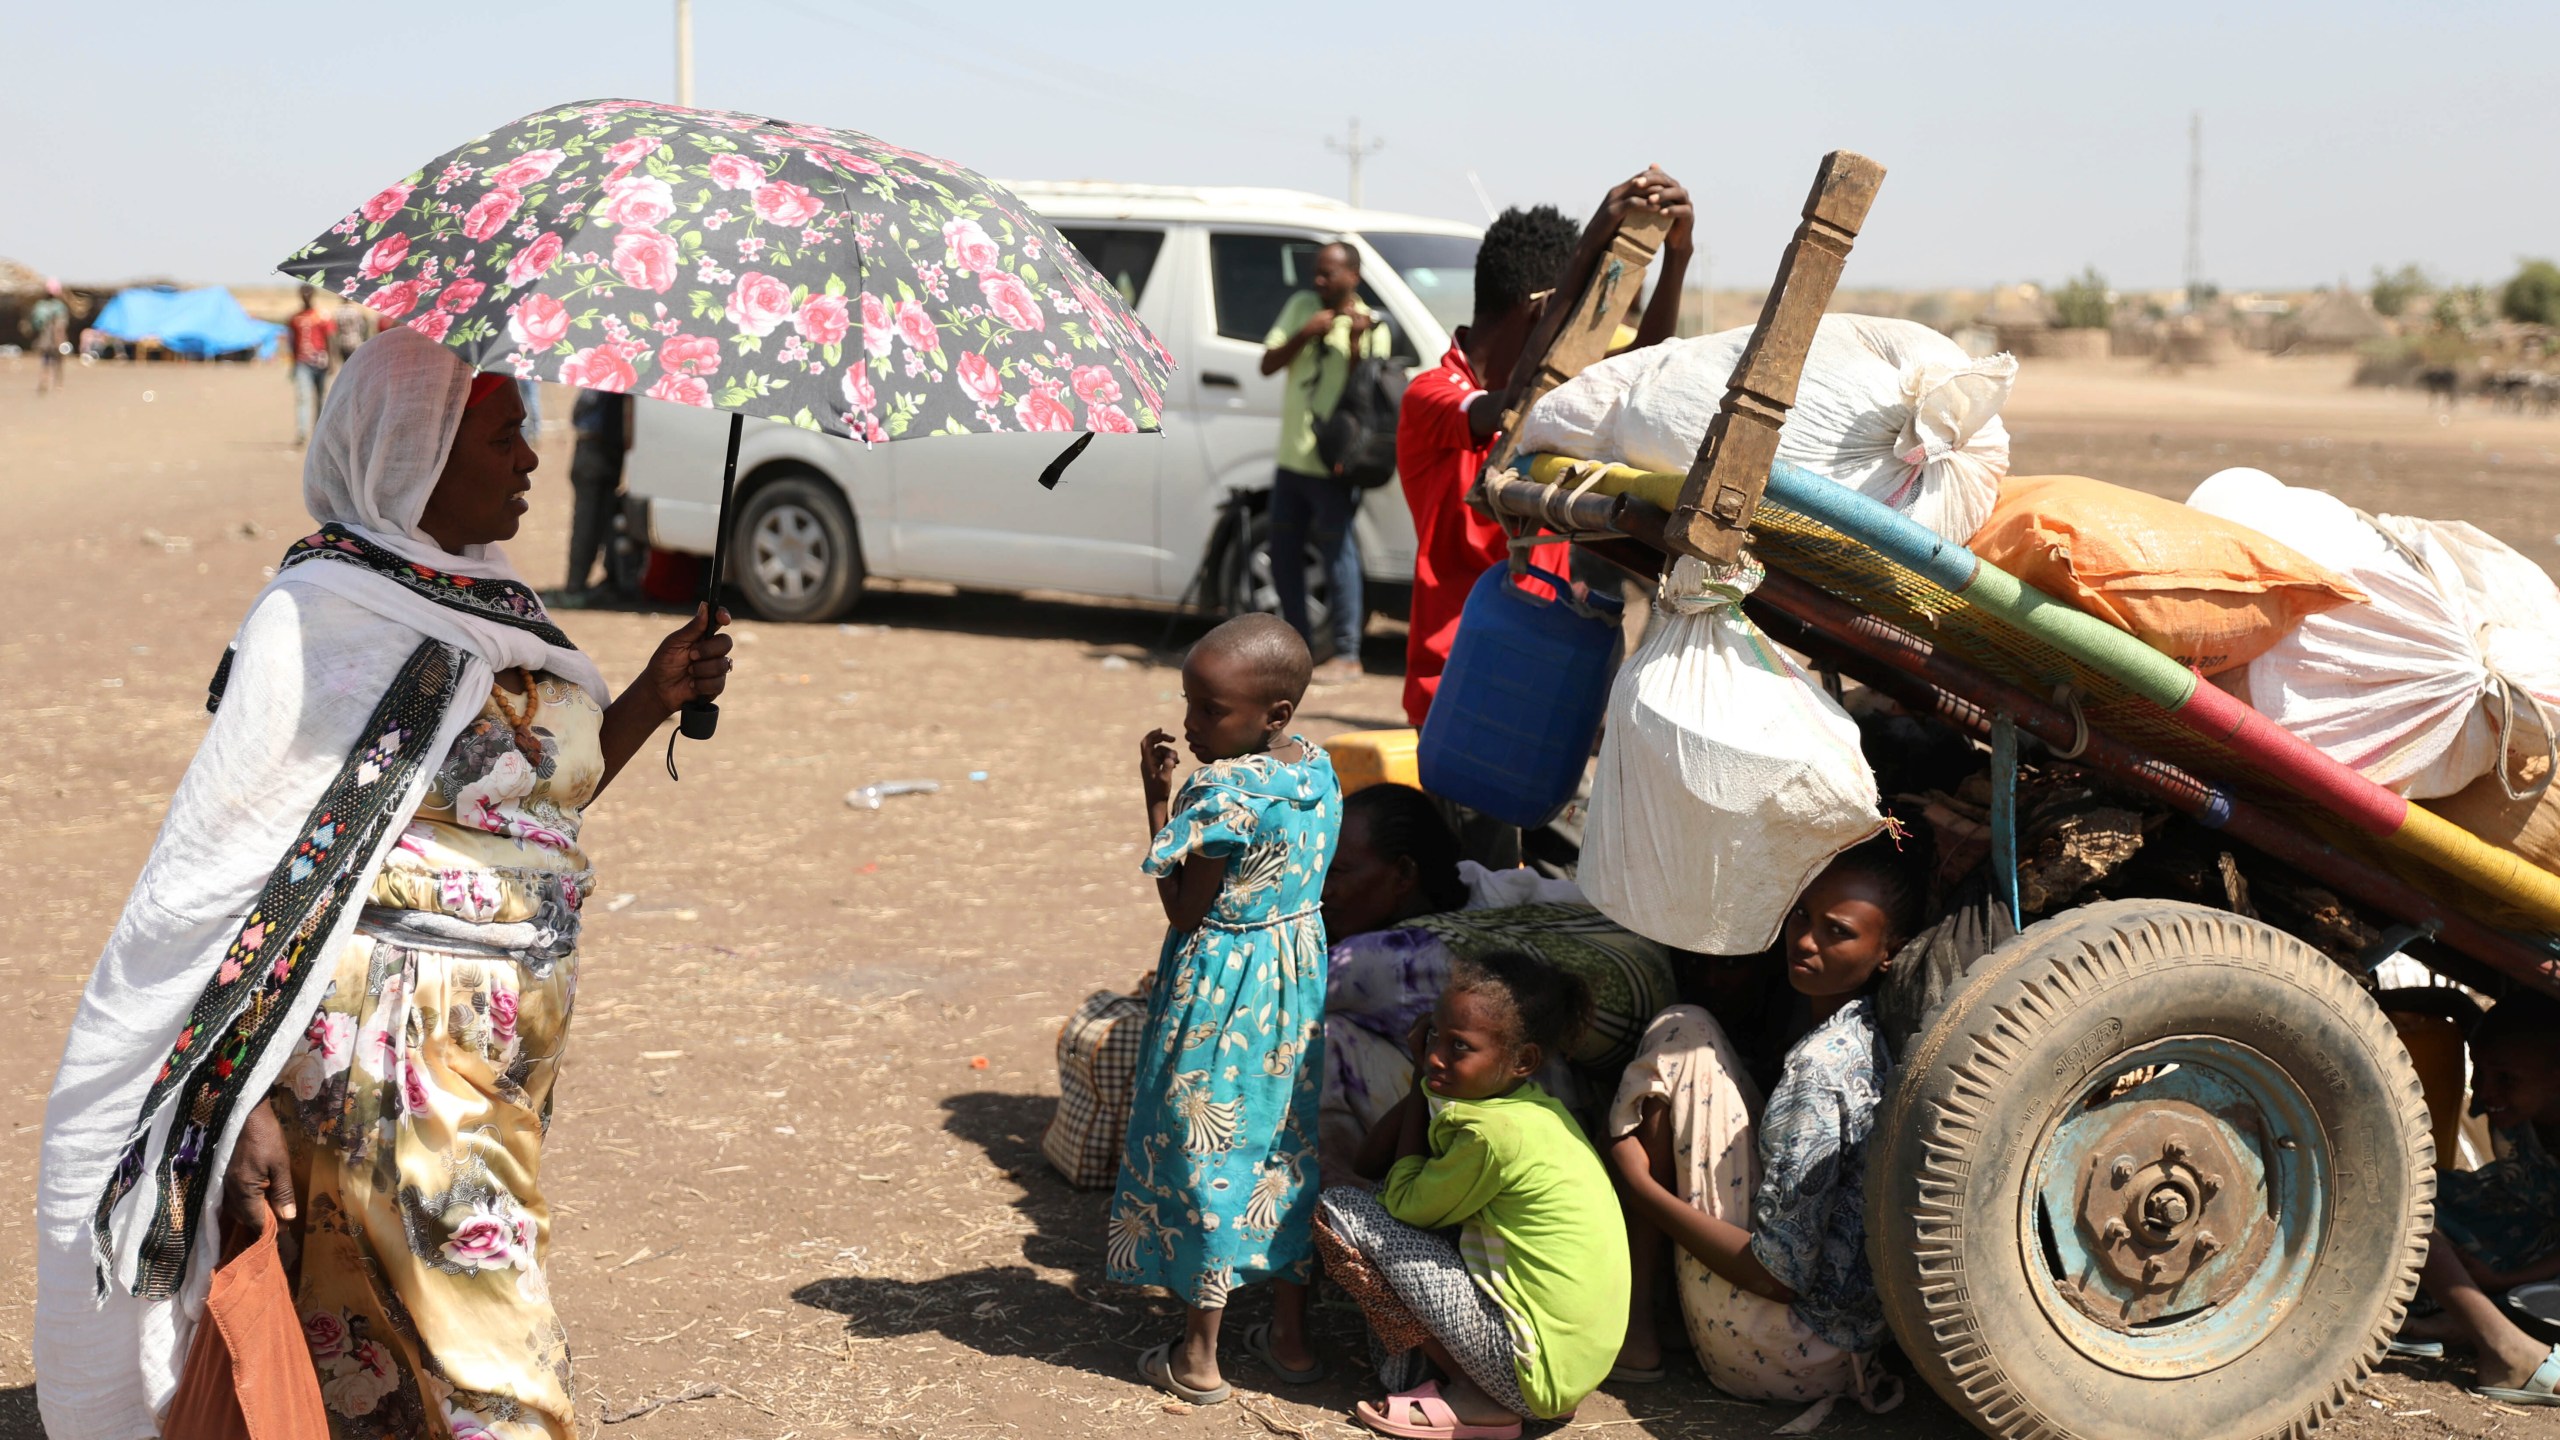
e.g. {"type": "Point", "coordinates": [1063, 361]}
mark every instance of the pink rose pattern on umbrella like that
{"type": "Point", "coordinates": [821, 277]}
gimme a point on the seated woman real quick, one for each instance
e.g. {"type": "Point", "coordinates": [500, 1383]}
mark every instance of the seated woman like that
{"type": "Point", "coordinates": [1767, 1208]}
{"type": "Point", "coordinates": [2499, 1226]}
{"type": "Point", "coordinates": [1400, 907]}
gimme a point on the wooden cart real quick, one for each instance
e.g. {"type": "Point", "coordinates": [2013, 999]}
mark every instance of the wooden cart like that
{"type": "Point", "coordinates": [2152, 1168]}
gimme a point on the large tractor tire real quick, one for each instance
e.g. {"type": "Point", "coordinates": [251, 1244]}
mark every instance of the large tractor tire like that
{"type": "Point", "coordinates": [2153, 1170]}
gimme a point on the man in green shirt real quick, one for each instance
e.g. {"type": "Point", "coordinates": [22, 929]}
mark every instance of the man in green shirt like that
{"type": "Point", "coordinates": [1319, 334]}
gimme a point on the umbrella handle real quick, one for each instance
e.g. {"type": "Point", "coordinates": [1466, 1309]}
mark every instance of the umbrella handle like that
{"type": "Point", "coordinates": [700, 718]}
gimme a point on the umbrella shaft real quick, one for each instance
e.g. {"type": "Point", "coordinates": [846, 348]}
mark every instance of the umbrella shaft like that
{"type": "Point", "coordinates": [718, 574]}
{"type": "Point", "coordinates": [702, 717]}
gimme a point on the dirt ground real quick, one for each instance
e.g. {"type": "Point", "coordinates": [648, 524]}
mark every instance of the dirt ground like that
{"type": "Point", "coordinates": [796, 1153]}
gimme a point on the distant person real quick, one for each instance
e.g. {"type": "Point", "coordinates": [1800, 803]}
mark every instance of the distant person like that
{"type": "Point", "coordinates": [312, 333]}
{"type": "Point", "coordinates": [355, 325]}
{"type": "Point", "coordinates": [1446, 428]}
{"type": "Point", "coordinates": [531, 392]}
{"type": "Point", "coordinates": [603, 423]}
{"type": "Point", "coordinates": [1321, 332]}
{"type": "Point", "coordinates": [50, 319]}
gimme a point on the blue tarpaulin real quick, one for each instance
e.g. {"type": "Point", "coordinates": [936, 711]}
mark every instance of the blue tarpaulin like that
{"type": "Point", "coordinates": [190, 322]}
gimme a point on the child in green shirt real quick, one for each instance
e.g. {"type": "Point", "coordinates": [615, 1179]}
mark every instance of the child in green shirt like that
{"type": "Point", "coordinates": [1525, 1313]}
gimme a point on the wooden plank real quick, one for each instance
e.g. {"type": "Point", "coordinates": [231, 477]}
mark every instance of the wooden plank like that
{"type": "Point", "coordinates": [1732, 468]}
{"type": "Point", "coordinates": [1570, 339]}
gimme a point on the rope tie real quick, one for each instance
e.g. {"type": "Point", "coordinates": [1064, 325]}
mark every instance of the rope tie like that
{"type": "Point", "coordinates": [1695, 587]}
{"type": "Point", "coordinates": [2068, 696]}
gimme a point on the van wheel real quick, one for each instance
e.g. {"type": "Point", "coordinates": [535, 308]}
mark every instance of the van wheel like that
{"type": "Point", "coordinates": [1244, 576]}
{"type": "Point", "coordinates": [794, 553]}
{"type": "Point", "coordinates": [2155, 1170]}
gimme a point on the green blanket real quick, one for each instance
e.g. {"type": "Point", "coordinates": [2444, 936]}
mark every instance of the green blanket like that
{"type": "Point", "coordinates": [1629, 976]}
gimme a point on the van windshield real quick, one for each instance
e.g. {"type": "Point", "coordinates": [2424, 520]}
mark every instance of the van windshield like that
{"type": "Point", "coordinates": [1440, 270]}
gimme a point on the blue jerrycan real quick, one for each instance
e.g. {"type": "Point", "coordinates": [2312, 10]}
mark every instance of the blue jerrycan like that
{"type": "Point", "coordinates": [1521, 700]}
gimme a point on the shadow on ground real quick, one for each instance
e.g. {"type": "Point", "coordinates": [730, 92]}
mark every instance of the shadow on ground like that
{"type": "Point", "coordinates": [1084, 1321]}
{"type": "Point", "coordinates": [1013, 1309]}
{"type": "Point", "coordinates": [18, 1414]}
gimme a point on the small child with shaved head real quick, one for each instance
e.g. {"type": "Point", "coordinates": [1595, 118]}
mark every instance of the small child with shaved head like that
{"type": "Point", "coordinates": [1218, 1177]}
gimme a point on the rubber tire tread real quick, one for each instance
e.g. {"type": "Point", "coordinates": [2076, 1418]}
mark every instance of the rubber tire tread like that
{"type": "Point", "coordinates": [820, 496]}
{"type": "Point", "coordinates": [1986, 1069]}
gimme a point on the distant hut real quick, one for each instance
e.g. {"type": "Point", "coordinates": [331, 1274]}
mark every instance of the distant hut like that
{"type": "Point", "coordinates": [21, 286]}
{"type": "Point", "coordinates": [2334, 321]}
{"type": "Point", "coordinates": [2021, 316]}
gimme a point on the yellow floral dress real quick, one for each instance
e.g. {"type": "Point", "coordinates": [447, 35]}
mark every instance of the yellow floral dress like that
{"type": "Point", "coordinates": [416, 1103]}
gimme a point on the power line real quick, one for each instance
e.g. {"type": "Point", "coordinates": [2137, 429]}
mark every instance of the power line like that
{"type": "Point", "coordinates": [2195, 205]}
{"type": "Point", "coordinates": [684, 53]}
{"type": "Point", "coordinates": [1355, 151]}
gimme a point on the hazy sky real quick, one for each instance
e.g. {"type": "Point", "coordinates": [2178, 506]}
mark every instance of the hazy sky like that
{"type": "Point", "coordinates": [205, 141]}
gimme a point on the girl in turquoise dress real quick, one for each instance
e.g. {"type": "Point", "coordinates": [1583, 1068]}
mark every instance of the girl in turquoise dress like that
{"type": "Point", "coordinates": [1218, 1181]}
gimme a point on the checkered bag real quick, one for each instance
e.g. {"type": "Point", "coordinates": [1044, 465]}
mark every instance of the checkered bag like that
{"type": "Point", "coordinates": [1097, 1065]}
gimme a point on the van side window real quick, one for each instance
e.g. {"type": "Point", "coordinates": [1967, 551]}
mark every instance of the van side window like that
{"type": "Point", "coordinates": [1252, 276]}
{"type": "Point", "coordinates": [1125, 257]}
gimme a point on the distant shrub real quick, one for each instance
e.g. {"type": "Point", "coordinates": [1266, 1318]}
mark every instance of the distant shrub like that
{"type": "Point", "coordinates": [2533, 296]}
{"type": "Point", "coordinates": [2393, 290]}
{"type": "Point", "coordinates": [2083, 303]}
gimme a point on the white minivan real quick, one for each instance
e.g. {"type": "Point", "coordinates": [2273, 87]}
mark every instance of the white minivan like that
{"type": "Point", "coordinates": [1165, 517]}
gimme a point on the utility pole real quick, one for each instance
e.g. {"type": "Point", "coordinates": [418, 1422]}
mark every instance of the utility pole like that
{"type": "Point", "coordinates": [2195, 206]}
{"type": "Point", "coordinates": [684, 52]}
{"type": "Point", "coordinates": [1357, 151]}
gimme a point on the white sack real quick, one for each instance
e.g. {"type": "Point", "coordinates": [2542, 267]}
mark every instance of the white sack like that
{"type": "Point", "coordinates": [2401, 687]}
{"type": "Point", "coordinates": [1727, 779]}
{"type": "Point", "coordinates": [1890, 408]}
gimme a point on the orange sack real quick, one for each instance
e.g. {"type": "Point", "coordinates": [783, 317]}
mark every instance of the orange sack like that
{"type": "Point", "coordinates": [2193, 586]}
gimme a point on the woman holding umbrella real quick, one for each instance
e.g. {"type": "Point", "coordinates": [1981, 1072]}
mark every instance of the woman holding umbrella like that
{"type": "Point", "coordinates": [342, 984]}
{"type": "Point", "coordinates": [341, 989]}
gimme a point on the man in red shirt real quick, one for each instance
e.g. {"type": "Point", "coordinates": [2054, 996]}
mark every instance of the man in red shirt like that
{"type": "Point", "coordinates": [311, 332]}
{"type": "Point", "coordinates": [1447, 425]}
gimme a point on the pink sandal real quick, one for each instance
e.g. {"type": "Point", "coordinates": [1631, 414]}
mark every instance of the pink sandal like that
{"type": "Point", "coordinates": [1420, 1414]}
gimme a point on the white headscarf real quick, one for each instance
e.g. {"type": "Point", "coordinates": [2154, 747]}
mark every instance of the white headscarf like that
{"type": "Point", "coordinates": [383, 437]}
{"type": "Point", "coordinates": [384, 433]}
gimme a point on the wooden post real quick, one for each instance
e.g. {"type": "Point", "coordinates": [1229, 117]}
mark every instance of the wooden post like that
{"type": "Point", "coordinates": [1732, 468]}
{"type": "Point", "coordinates": [1571, 338]}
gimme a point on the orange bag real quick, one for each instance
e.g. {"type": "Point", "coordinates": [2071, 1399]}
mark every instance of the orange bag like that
{"type": "Point", "coordinates": [249, 1375]}
{"type": "Point", "coordinates": [2192, 586]}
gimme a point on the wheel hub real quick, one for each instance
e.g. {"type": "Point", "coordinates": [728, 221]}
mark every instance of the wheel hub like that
{"type": "Point", "coordinates": [790, 551]}
{"type": "Point", "coordinates": [2158, 1210]}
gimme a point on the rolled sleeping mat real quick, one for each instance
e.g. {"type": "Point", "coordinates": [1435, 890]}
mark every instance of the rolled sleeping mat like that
{"type": "Point", "coordinates": [2177, 690]}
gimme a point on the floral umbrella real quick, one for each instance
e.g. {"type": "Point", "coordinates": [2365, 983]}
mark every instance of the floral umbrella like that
{"type": "Point", "coordinates": [818, 277]}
